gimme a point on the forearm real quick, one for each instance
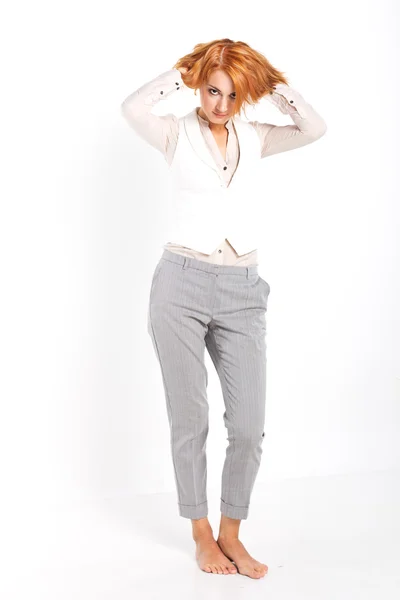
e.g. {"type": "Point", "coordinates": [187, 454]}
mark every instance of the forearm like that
{"type": "Point", "coordinates": [291, 102]}
{"type": "Point", "coordinates": [139, 104]}
{"type": "Point", "coordinates": [158, 131]}
{"type": "Point", "coordinates": [308, 126]}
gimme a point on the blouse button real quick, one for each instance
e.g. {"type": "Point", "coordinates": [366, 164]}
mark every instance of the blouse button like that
{"type": "Point", "coordinates": [225, 168]}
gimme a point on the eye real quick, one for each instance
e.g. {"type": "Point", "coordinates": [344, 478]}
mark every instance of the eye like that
{"type": "Point", "coordinates": [233, 96]}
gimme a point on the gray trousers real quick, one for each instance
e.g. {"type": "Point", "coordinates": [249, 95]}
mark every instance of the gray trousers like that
{"type": "Point", "coordinates": [196, 305]}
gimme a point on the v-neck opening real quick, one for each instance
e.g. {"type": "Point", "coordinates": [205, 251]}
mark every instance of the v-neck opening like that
{"type": "Point", "coordinates": [216, 166]}
{"type": "Point", "coordinates": [238, 158]}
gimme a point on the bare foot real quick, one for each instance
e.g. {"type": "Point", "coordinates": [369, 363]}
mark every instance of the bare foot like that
{"type": "Point", "coordinates": [233, 548]}
{"type": "Point", "coordinates": [210, 557]}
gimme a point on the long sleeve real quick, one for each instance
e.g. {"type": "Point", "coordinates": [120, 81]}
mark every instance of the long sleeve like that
{"type": "Point", "coordinates": [308, 126]}
{"type": "Point", "coordinates": [161, 132]}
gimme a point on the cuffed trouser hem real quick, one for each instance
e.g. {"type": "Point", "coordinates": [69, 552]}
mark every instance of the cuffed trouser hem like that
{"type": "Point", "coordinates": [234, 512]}
{"type": "Point", "coordinates": [193, 511]}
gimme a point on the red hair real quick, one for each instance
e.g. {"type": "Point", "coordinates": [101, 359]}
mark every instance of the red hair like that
{"type": "Point", "coordinates": [252, 74]}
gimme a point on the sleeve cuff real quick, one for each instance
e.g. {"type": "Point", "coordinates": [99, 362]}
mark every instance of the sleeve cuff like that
{"type": "Point", "coordinates": [287, 100]}
{"type": "Point", "coordinates": [166, 84]}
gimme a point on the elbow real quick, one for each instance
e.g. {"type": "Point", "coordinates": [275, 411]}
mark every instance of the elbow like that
{"type": "Point", "coordinates": [131, 109]}
{"type": "Point", "coordinates": [127, 111]}
{"type": "Point", "coordinates": [320, 130]}
{"type": "Point", "coordinates": [316, 133]}
{"type": "Point", "coordinates": [123, 108]}
{"type": "Point", "coordinates": [315, 130]}
{"type": "Point", "coordinates": [128, 104]}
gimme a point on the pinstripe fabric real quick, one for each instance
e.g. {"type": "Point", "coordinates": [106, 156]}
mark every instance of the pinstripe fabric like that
{"type": "Point", "coordinates": [193, 306]}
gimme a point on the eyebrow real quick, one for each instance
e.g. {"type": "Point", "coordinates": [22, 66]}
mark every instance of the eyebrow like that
{"type": "Point", "coordinates": [215, 88]}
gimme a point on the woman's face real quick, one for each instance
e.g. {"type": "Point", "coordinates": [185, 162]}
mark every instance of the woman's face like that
{"type": "Point", "coordinates": [217, 97]}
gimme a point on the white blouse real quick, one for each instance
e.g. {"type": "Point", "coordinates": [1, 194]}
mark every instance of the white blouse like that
{"type": "Point", "coordinates": [161, 132]}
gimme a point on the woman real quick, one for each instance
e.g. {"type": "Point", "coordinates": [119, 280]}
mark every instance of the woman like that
{"type": "Point", "coordinates": [206, 291]}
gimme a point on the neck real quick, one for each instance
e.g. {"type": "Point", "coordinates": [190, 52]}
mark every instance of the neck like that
{"type": "Point", "coordinates": [215, 127]}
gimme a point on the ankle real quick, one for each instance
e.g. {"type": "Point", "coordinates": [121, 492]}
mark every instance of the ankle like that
{"type": "Point", "coordinates": [228, 535]}
{"type": "Point", "coordinates": [201, 529]}
{"type": "Point", "coordinates": [228, 528]}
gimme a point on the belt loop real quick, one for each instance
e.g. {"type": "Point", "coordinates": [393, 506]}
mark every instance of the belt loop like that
{"type": "Point", "coordinates": [248, 272]}
{"type": "Point", "coordinates": [184, 262]}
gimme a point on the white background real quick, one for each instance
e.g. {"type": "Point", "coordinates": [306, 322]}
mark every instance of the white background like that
{"type": "Point", "coordinates": [83, 409]}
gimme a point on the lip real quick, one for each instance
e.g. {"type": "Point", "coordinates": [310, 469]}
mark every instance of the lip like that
{"type": "Point", "coordinates": [217, 115]}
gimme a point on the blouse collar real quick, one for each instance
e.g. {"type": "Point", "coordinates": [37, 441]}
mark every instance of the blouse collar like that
{"type": "Point", "coordinates": [228, 124]}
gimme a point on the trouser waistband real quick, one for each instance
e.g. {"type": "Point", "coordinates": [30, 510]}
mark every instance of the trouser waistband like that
{"type": "Point", "coordinates": [194, 263]}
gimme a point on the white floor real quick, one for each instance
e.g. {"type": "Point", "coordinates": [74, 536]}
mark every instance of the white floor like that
{"type": "Point", "coordinates": [326, 538]}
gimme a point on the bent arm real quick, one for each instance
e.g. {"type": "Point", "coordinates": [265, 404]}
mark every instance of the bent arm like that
{"type": "Point", "coordinates": [308, 126]}
{"type": "Point", "coordinates": [158, 131]}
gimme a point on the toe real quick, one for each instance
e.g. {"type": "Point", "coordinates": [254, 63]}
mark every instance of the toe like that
{"type": "Point", "coordinates": [261, 569]}
{"type": "Point", "coordinates": [228, 569]}
{"type": "Point", "coordinates": [233, 569]}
